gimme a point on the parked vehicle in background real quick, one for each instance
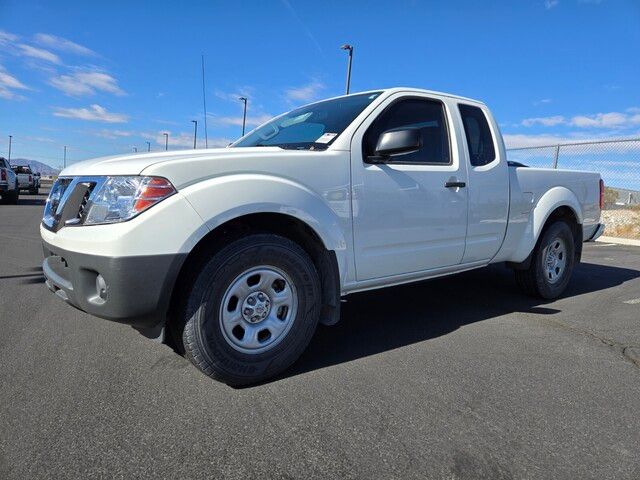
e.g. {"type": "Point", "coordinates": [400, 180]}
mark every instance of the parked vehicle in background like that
{"type": "Point", "coordinates": [239, 252]}
{"type": "Point", "coordinates": [26, 179]}
{"type": "Point", "coordinates": [9, 188]}
{"type": "Point", "coordinates": [36, 181]}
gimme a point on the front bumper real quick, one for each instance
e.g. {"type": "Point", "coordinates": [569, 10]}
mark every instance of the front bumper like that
{"type": "Point", "coordinates": [134, 290]}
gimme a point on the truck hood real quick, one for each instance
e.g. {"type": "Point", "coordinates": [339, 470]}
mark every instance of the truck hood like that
{"type": "Point", "coordinates": [134, 164]}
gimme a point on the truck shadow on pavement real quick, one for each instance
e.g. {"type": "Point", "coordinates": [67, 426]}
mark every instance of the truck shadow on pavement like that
{"type": "Point", "coordinates": [380, 320]}
{"type": "Point", "coordinates": [32, 200]}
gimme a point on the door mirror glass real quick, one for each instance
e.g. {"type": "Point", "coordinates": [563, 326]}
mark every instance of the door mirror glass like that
{"type": "Point", "coordinates": [398, 142]}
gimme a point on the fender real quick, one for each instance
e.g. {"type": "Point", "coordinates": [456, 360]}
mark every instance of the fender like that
{"type": "Point", "coordinates": [220, 199]}
{"type": "Point", "coordinates": [554, 198]}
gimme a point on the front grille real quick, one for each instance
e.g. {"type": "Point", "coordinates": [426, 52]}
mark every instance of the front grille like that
{"type": "Point", "coordinates": [82, 209]}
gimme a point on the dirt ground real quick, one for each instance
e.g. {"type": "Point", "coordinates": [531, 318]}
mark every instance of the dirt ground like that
{"type": "Point", "coordinates": [622, 222]}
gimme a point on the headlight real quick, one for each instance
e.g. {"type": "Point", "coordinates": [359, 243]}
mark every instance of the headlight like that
{"type": "Point", "coordinates": [121, 198]}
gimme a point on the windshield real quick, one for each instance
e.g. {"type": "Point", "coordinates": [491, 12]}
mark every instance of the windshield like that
{"type": "Point", "coordinates": [313, 127]}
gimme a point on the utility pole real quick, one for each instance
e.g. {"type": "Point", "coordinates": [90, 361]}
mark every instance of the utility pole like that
{"type": "Point", "coordinates": [195, 132]}
{"type": "Point", "coordinates": [204, 107]}
{"type": "Point", "coordinates": [9, 159]}
{"type": "Point", "coordinates": [64, 160]}
{"type": "Point", "coordinates": [349, 48]}
{"type": "Point", "coordinates": [148, 146]}
{"type": "Point", "coordinates": [135, 149]}
{"type": "Point", "coordinates": [166, 141]}
{"type": "Point", "coordinates": [244, 115]}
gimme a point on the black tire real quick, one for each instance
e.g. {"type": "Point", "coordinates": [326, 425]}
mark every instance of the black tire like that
{"type": "Point", "coordinates": [33, 191]}
{"type": "Point", "coordinates": [204, 340]}
{"type": "Point", "coordinates": [535, 280]}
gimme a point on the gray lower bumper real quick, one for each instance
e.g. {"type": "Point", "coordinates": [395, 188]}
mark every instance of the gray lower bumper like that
{"type": "Point", "coordinates": [599, 231]}
{"type": "Point", "coordinates": [133, 290]}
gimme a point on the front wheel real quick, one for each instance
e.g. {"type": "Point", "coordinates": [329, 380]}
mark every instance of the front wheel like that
{"type": "Point", "coordinates": [251, 310]}
{"type": "Point", "coordinates": [552, 263]}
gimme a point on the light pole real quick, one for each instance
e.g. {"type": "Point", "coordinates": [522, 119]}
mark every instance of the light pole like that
{"type": "Point", "coordinates": [244, 114]}
{"type": "Point", "coordinates": [148, 146]}
{"type": "Point", "coordinates": [135, 149]}
{"type": "Point", "coordinates": [9, 159]}
{"type": "Point", "coordinates": [349, 48]}
{"type": "Point", "coordinates": [166, 141]}
{"type": "Point", "coordinates": [64, 158]}
{"type": "Point", "coordinates": [195, 132]}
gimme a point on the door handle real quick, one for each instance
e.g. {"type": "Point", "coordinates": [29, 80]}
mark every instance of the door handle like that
{"type": "Point", "coordinates": [455, 184]}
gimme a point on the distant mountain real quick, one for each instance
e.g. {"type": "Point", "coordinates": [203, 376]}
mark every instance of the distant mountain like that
{"type": "Point", "coordinates": [36, 166]}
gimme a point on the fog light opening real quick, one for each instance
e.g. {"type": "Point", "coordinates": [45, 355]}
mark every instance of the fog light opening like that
{"type": "Point", "coordinates": [101, 287]}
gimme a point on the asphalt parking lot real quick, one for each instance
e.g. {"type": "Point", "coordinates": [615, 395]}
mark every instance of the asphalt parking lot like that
{"type": "Point", "coordinates": [461, 377]}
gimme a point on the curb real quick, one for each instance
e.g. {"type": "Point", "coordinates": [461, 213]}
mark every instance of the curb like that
{"type": "Point", "coordinates": [619, 241]}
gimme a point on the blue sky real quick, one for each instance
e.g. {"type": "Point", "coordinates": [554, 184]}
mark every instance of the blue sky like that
{"type": "Point", "coordinates": [103, 77]}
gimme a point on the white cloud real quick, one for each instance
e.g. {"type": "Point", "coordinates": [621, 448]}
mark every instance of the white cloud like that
{"type": "Point", "coordinates": [542, 101]}
{"type": "Point", "coordinates": [549, 4]}
{"type": "Point", "coordinates": [605, 120]}
{"type": "Point", "coordinates": [306, 93]}
{"type": "Point", "coordinates": [114, 134]}
{"type": "Point", "coordinates": [184, 140]}
{"type": "Point", "coordinates": [37, 53]}
{"type": "Point", "coordinates": [237, 121]}
{"type": "Point", "coordinates": [597, 120]}
{"type": "Point", "coordinates": [546, 121]}
{"type": "Point", "coordinates": [244, 91]}
{"type": "Point", "coordinates": [6, 37]}
{"type": "Point", "coordinates": [9, 83]}
{"type": "Point", "coordinates": [86, 83]}
{"type": "Point", "coordinates": [62, 44]}
{"type": "Point", "coordinates": [95, 113]}
{"type": "Point", "coordinates": [523, 140]}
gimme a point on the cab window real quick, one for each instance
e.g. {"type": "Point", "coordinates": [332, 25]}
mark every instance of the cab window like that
{"type": "Point", "coordinates": [478, 133]}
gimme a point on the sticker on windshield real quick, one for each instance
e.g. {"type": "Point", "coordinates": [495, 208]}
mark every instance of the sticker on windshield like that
{"type": "Point", "coordinates": [326, 138]}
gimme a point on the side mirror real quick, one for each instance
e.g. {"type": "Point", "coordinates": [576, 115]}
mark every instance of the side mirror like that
{"type": "Point", "coordinates": [396, 142]}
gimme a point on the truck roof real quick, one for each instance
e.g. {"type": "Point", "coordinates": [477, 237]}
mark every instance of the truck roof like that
{"type": "Point", "coordinates": [410, 89]}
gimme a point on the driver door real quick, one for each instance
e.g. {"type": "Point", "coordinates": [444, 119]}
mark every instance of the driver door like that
{"type": "Point", "coordinates": [405, 218]}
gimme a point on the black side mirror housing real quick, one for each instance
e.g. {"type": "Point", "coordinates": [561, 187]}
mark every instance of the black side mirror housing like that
{"type": "Point", "coordinates": [396, 142]}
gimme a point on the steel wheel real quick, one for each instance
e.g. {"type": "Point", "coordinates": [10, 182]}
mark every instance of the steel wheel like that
{"type": "Point", "coordinates": [258, 309]}
{"type": "Point", "coordinates": [555, 260]}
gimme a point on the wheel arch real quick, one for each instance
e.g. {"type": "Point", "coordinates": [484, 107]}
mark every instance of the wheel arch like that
{"type": "Point", "coordinates": [556, 203]}
{"type": "Point", "coordinates": [285, 225]}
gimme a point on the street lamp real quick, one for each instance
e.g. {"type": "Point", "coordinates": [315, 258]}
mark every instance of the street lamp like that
{"type": "Point", "coordinates": [244, 115]}
{"type": "Point", "coordinates": [64, 160]}
{"type": "Point", "coordinates": [195, 132]}
{"type": "Point", "coordinates": [135, 149]}
{"type": "Point", "coordinates": [166, 141]}
{"type": "Point", "coordinates": [9, 159]}
{"type": "Point", "coordinates": [148, 146]}
{"type": "Point", "coordinates": [349, 48]}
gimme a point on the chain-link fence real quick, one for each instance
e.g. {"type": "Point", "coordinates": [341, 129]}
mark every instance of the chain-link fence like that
{"type": "Point", "coordinates": [618, 161]}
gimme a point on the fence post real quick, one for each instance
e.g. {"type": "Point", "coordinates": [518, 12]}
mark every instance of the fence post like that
{"type": "Point", "coordinates": [555, 157]}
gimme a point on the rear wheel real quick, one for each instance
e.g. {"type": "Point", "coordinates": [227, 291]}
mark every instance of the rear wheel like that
{"type": "Point", "coordinates": [552, 263]}
{"type": "Point", "coordinates": [252, 309]}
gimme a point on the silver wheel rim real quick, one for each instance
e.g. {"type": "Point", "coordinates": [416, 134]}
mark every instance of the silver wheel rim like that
{"type": "Point", "coordinates": [258, 309]}
{"type": "Point", "coordinates": [555, 260]}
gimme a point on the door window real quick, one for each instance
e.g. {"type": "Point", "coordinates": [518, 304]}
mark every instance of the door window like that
{"type": "Point", "coordinates": [425, 115]}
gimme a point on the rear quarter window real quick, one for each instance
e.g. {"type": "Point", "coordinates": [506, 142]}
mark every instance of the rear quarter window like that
{"type": "Point", "coordinates": [478, 134]}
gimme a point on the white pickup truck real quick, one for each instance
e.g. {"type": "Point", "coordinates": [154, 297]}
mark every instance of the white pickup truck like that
{"type": "Point", "coordinates": [237, 253]}
{"type": "Point", "coordinates": [9, 185]}
{"type": "Point", "coordinates": [26, 178]}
